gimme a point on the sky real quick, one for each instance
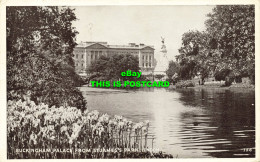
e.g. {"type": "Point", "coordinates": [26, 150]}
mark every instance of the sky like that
{"type": "Point", "coordinates": [120, 25]}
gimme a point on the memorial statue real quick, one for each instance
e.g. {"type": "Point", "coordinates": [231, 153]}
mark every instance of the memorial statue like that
{"type": "Point", "coordinates": [162, 60]}
{"type": "Point", "coordinates": [162, 39]}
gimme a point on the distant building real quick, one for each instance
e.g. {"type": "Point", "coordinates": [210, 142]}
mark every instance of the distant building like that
{"type": "Point", "coordinates": [87, 52]}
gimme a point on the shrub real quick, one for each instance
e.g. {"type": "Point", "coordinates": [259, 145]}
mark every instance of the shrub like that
{"type": "Point", "coordinates": [40, 62]}
{"type": "Point", "coordinates": [185, 84]}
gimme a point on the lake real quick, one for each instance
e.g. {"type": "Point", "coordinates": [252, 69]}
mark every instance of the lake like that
{"type": "Point", "coordinates": [187, 122]}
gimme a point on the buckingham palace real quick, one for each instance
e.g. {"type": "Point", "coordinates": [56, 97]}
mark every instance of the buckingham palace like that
{"type": "Point", "coordinates": [87, 52]}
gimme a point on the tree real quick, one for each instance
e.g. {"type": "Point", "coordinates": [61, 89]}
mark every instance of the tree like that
{"type": "Point", "coordinates": [232, 31]}
{"type": "Point", "coordinates": [111, 67]}
{"type": "Point", "coordinates": [227, 45]}
{"type": "Point", "coordinates": [194, 55]}
{"type": "Point", "coordinates": [172, 70]}
{"type": "Point", "coordinates": [40, 43]}
{"type": "Point", "coordinates": [221, 75]}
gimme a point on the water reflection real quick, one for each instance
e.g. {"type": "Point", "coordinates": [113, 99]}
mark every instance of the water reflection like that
{"type": "Point", "coordinates": [188, 122]}
{"type": "Point", "coordinates": [223, 127]}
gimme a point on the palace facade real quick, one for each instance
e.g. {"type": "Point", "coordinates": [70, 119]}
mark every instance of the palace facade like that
{"type": "Point", "coordinates": [87, 52]}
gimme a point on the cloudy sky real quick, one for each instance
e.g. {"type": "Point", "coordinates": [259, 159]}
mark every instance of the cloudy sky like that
{"type": "Point", "coordinates": [140, 24]}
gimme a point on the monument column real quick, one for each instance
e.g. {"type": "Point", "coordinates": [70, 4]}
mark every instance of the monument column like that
{"type": "Point", "coordinates": [162, 62]}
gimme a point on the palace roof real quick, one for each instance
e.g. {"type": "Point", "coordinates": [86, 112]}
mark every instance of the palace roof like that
{"type": "Point", "coordinates": [104, 44]}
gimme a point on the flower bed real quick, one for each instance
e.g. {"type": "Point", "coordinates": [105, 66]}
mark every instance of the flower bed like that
{"type": "Point", "coordinates": [34, 127]}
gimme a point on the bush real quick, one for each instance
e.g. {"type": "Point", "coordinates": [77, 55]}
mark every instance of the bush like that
{"type": "Point", "coordinates": [185, 84]}
{"type": "Point", "coordinates": [40, 62]}
{"type": "Point", "coordinates": [228, 83]}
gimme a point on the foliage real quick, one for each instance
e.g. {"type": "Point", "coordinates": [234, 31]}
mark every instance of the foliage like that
{"type": "Point", "coordinates": [175, 77]}
{"type": "Point", "coordinates": [227, 44]}
{"type": "Point", "coordinates": [193, 58]}
{"type": "Point", "coordinates": [221, 75]}
{"type": "Point", "coordinates": [173, 70]}
{"type": "Point", "coordinates": [185, 84]}
{"type": "Point", "coordinates": [243, 85]}
{"type": "Point", "coordinates": [232, 29]}
{"type": "Point", "coordinates": [39, 126]}
{"type": "Point", "coordinates": [111, 67]}
{"type": "Point", "coordinates": [40, 42]}
{"type": "Point", "coordinates": [158, 76]}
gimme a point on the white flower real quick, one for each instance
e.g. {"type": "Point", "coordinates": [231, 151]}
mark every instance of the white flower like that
{"type": "Point", "coordinates": [33, 138]}
{"type": "Point", "coordinates": [52, 137]}
{"type": "Point", "coordinates": [36, 122]}
{"type": "Point", "coordinates": [63, 128]}
{"type": "Point", "coordinates": [50, 127]}
{"type": "Point", "coordinates": [147, 122]}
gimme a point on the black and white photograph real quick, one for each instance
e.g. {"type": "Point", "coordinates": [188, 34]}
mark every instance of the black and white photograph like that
{"type": "Point", "coordinates": [130, 81]}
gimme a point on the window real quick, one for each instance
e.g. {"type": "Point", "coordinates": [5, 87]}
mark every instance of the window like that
{"type": "Point", "coordinates": [95, 56]}
{"type": "Point", "coordinates": [76, 55]}
{"type": "Point", "coordinates": [82, 56]}
{"type": "Point", "coordinates": [143, 64]}
{"type": "Point", "coordinates": [92, 53]}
